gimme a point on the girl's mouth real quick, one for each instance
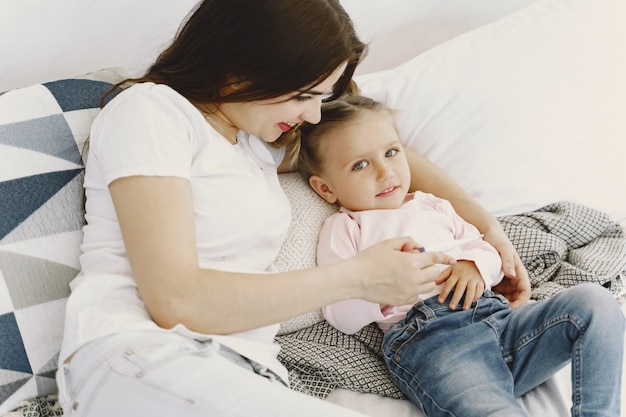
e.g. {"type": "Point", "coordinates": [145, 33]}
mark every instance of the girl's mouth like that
{"type": "Point", "coordinates": [387, 191]}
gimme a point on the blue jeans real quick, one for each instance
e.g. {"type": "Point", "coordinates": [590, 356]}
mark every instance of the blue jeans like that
{"type": "Point", "coordinates": [476, 362]}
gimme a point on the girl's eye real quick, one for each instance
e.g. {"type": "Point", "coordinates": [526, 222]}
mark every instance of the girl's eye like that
{"type": "Point", "coordinates": [359, 165]}
{"type": "Point", "coordinates": [391, 152]}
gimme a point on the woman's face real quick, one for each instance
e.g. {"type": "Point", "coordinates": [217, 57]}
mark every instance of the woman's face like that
{"type": "Point", "coordinates": [269, 119]}
{"type": "Point", "coordinates": [364, 166]}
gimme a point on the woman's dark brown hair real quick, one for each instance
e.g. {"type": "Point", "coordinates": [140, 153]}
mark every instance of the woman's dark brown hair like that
{"type": "Point", "coordinates": [276, 47]}
{"type": "Point", "coordinates": [272, 47]}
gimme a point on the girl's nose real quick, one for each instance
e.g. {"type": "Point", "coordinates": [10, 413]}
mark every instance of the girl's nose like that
{"type": "Point", "coordinates": [384, 171]}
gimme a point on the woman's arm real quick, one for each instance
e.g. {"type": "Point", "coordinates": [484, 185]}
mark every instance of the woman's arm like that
{"type": "Point", "coordinates": [157, 222]}
{"type": "Point", "coordinates": [427, 177]}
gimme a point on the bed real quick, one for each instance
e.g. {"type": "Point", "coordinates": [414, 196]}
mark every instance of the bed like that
{"type": "Point", "coordinates": [522, 103]}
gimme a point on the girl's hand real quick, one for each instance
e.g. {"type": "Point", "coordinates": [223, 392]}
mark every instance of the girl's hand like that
{"type": "Point", "coordinates": [465, 279]}
{"type": "Point", "coordinates": [516, 285]}
{"type": "Point", "coordinates": [395, 272]}
{"type": "Point", "coordinates": [517, 290]}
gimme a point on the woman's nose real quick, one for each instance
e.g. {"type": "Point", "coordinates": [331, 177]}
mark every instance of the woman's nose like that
{"type": "Point", "coordinates": [313, 113]}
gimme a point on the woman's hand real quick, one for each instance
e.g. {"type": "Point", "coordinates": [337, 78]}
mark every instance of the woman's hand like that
{"type": "Point", "coordinates": [465, 279]}
{"type": "Point", "coordinates": [516, 285]}
{"type": "Point", "coordinates": [395, 273]}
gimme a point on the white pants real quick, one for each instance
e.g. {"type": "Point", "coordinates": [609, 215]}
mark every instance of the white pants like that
{"type": "Point", "coordinates": [162, 374]}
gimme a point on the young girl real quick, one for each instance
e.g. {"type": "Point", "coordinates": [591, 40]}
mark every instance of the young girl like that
{"type": "Point", "coordinates": [458, 350]}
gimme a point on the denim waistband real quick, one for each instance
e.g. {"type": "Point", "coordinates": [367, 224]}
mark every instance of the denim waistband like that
{"type": "Point", "coordinates": [430, 306]}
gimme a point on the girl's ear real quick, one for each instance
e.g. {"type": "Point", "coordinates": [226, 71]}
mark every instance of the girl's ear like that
{"type": "Point", "coordinates": [321, 187]}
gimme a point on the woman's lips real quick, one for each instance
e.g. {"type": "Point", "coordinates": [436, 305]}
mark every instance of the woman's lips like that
{"type": "Point", "coordinates": [285, 127]}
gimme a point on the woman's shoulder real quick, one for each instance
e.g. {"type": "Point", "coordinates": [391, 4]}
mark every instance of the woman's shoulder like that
{"type": "Point", "coordinates": [147, 104]}
{"type": "Point", "coordinates": [148, 96]}
{"type": "Point", "coordinates": [142, 116]}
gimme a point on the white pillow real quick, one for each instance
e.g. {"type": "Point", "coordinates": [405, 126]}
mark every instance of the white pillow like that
{"type": "Point", "coordinates": [525, 111]}
{"type": "Point", "coordinates": [427, 23]}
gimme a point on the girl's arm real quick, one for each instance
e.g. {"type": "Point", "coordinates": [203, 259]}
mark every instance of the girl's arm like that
{"type": "Point", "coordinates": [427, 177]}
{"type": "Point", "coordinates": [157, 222]}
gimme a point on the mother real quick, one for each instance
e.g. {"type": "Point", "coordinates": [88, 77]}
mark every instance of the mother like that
{"type": "Point", "coordinates": [177, 303]}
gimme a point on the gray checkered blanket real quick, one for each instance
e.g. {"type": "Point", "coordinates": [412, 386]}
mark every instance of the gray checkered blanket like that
{"type": "Point", "coordinates": [320, 359]}
{"type": "Point", "coordinates": [565, 244]}
{"type": "Point", "coordinates": [561, 245]}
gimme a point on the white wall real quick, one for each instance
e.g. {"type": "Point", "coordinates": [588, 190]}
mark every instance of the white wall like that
{"type": "Point", "coordinates": [43, 40]}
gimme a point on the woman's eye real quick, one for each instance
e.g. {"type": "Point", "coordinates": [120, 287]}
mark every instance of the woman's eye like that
{"type": "Point", "coordinates": [303, 98]}
{"type": "Point", "coordinates": [359, 165]}
{"type": "Point", "coordinates": [328, 96]}
{"type": "Point", "coordinates": [391, 152]}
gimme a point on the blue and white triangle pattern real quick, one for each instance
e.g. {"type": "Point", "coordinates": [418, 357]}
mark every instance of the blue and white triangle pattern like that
{"type": "Point", "coordinates": [43, 129]}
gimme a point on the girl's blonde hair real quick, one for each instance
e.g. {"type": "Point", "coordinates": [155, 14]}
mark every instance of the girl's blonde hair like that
{"type": "Point", "coordinates": [335, 114]}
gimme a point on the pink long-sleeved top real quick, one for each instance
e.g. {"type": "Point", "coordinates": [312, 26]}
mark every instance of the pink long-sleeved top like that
{"type": "Point", "coordinates": [426, 218]}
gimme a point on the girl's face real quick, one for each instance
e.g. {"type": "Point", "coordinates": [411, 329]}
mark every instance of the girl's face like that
{"type": "Point", "coordinates": [364, 166]}
{"type": "Point", "coordinates": [269, 119]}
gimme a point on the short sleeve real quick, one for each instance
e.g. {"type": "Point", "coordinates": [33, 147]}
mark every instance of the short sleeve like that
{"type": "Point", "coordinates": [143, 131]}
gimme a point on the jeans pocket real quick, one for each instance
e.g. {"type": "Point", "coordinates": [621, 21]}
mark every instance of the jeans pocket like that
{"type": "Point", "coordinates": [65, 391]}
{"type": "Point", "coordinates": [489, 304]}
{"type": "Point", "coordinates": [79, 373]}
{"type": "Point", "coordinates": [146, 356]}
{"type": "Point", "coordinates": [401, 334]}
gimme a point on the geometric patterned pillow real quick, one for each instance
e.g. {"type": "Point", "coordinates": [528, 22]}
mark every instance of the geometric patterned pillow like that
{"type": "Point", "coordinates": [42, 132]}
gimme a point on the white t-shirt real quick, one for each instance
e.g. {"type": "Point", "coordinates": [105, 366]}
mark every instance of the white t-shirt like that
{"type": "Point", "coordinates": [242, 214]}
